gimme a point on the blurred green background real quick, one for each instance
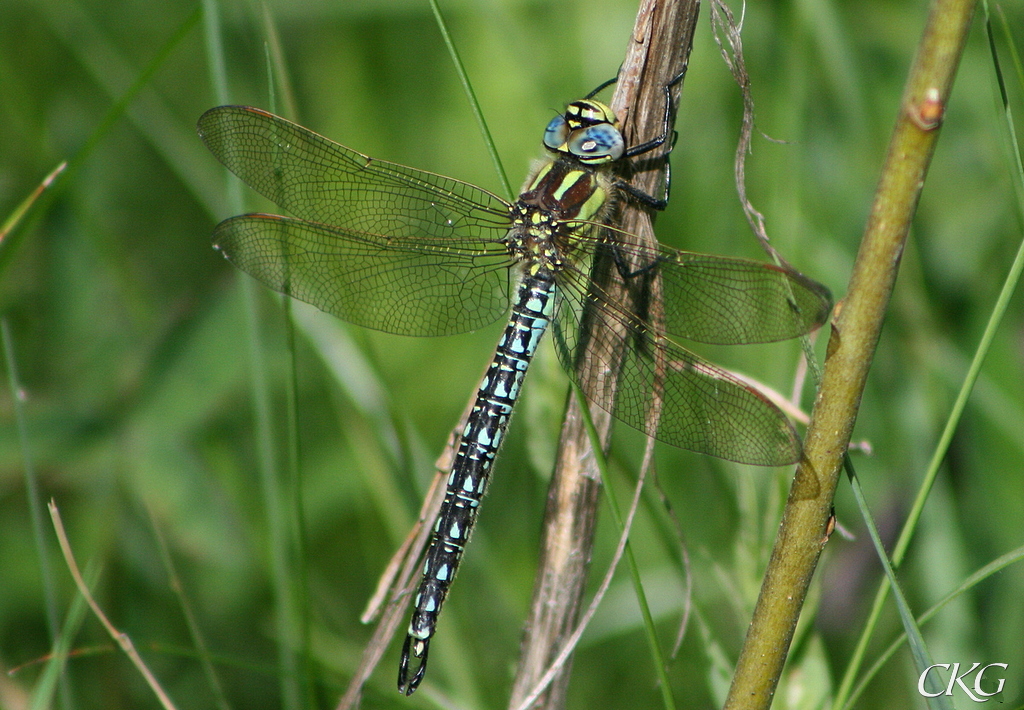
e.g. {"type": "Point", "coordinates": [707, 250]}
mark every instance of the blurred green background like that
{"type": "Point", "coordinates": [136, 363]}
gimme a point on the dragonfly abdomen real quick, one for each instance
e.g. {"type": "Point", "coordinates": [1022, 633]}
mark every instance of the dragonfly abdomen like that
{"type": "Point", "coordinates": [478, 447]}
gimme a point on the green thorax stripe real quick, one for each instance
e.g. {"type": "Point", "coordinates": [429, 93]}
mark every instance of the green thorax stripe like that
{"type": "Point", "coordinates": [565, 191]}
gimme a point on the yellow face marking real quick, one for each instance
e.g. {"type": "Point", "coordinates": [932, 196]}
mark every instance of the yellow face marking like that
{"type": "Point", "coordinates": [587, 113]}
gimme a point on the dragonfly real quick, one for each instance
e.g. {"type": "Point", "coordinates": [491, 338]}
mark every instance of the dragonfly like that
{"type": "Point", "coordinates": [404, 251]}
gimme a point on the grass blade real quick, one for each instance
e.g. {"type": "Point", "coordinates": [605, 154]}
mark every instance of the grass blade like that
{"type": "Point", "coordinates": [273, 482]}
{"type": "Point", "coordinates": [918, 649]}
{"type": "Point", "coordinates": [460, 69]}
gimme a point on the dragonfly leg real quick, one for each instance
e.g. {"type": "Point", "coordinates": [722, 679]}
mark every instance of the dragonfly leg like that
{"type": "Point", "coordinates": [667, 122]}
{"type": "Point", "coordinates": [645, 199]}
{"type": "Point", "coordinates": [413, 648]}
{"type": "Point", "coordinates": [649, 201]}
{"type": "Point", "coordinates": [628, 272]}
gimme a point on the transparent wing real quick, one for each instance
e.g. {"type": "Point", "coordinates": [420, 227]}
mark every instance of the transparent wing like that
{"type": "Point", "coordinates": [378, 244]}
{"type": "Point", "coordinates": [407, 286]}
{"type": "Point", "coordinates": [721, 300]}
{"type": "Point", "coordinates": [319, 180]}
{"type": "Point", "coordinates": [411, 252]}
{"type": "Point", "coordinates": [664, 389]}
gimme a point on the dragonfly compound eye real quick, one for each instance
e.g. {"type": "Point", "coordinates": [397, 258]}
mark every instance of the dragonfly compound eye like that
{"type": "Point", "coordinates": [556, 133]}
{"type": "Point", "coordinates": [601, 143]}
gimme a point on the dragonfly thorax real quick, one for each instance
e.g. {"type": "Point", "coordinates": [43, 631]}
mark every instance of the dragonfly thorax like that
{"type": "Point", "coordinates": [560, 202]}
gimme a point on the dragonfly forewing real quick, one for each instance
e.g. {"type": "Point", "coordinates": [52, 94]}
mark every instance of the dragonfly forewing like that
{"type": "Point", "coordinates": [718, 300]}
{"type": "Point", "coordinates": [319, 180]}
{"type": "Point", "coordinates": [730, 301]}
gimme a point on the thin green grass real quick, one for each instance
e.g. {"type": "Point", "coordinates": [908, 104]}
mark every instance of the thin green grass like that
{"type": "Point", "coordinates": [968, 584]}
{"type": "Point", "coordinates": [474, 104]}
{"type": "Point", "coordinates": [918, 648]}
{"type": "Point", "coordinates": [280, 487]}
{"type": "Point", "coordinates": [624, 525]}
{"type": "Point", "coordinates": [55, 677]}
{"type": "Point", "coordinates": [53, 683]}
{"type": "Point", "coordinates": [115, 112]}
{"type": "Point", "coordinates": [202, 650]}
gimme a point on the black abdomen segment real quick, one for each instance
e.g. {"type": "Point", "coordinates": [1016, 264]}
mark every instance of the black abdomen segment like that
{"type": "Point", "coordinates": [467, 482]}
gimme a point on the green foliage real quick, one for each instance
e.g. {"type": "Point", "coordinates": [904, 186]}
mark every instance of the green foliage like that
{"type": "Point", "coordinates": [134, 354]}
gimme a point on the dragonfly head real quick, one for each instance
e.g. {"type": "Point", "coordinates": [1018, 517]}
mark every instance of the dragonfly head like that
{"type": "Point", "coordinates": [588, 131]}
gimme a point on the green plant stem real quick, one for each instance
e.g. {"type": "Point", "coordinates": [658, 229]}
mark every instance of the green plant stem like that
{"type": "Point", "coordinates": [843, 695]}
{"type": "Point", "coordinates": [854, 336]}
